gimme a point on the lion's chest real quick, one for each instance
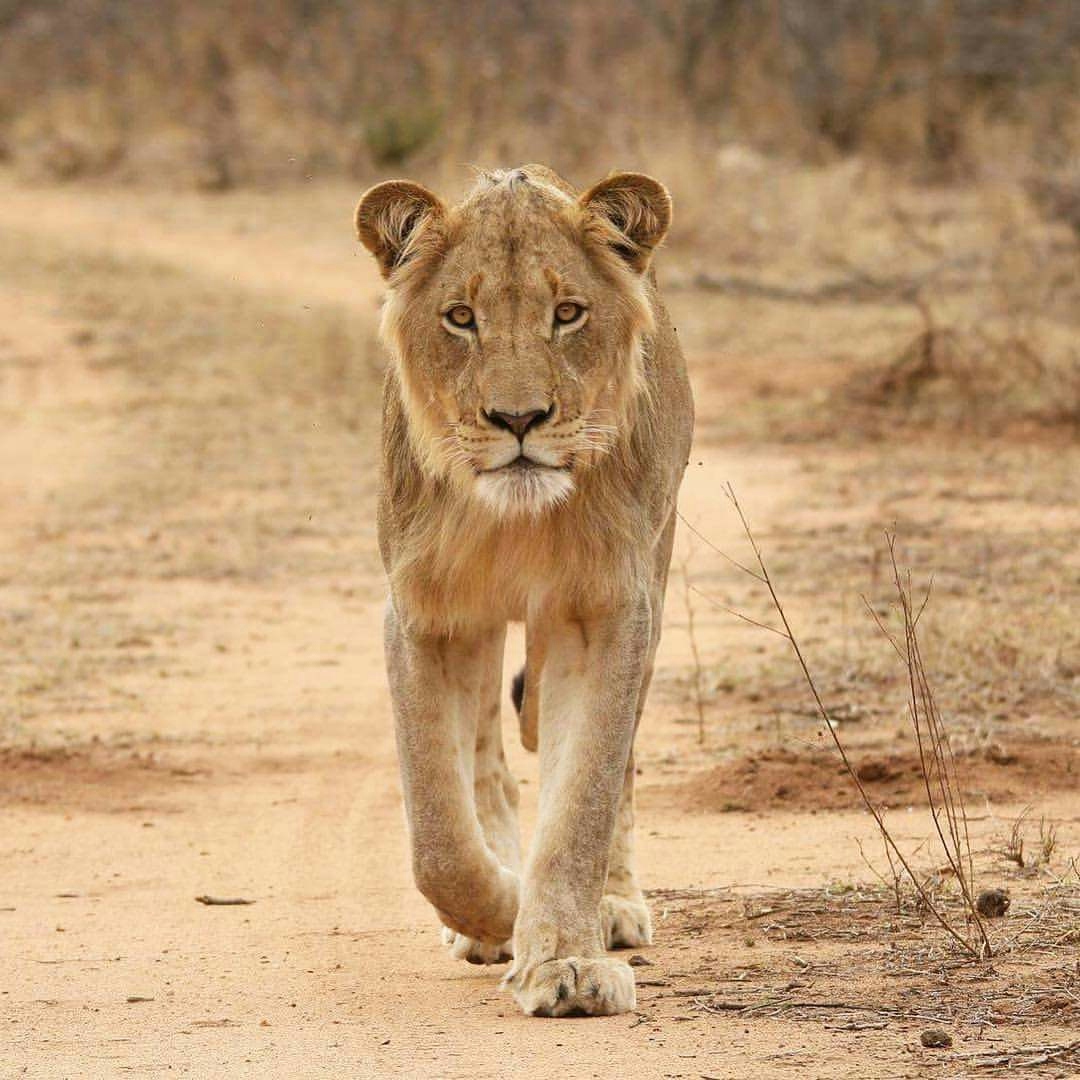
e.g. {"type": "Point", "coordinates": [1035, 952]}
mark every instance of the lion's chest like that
{"type": "Point", "coordinates": [457, 569]}
{"type": "Point", "coordinates": [492, 577]}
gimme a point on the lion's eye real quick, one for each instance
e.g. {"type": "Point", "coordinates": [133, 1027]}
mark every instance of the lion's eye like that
{"type": "Point", "coordinates": [461, 316]}
{"type": "Point", "coordinates": [568, 312]}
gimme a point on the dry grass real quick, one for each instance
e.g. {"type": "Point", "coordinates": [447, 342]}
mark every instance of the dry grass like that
{"type": "Point", "coordinates": [218, 96]}
{"type": "Point", "coordinates": [1013, 847]}
{"type": "Point", "coordinates": [846, 957]}
{"type": "Point", "coordinates": [995, 521]}
{"type": "Point", "coordinates": [1002, 355]}
{"type": "Point", "coordinates": [838, 304]}
{"type": "Point", "coordinates": [207, 399]}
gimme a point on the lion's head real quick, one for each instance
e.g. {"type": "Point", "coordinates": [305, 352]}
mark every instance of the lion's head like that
{"type": "Point", "coordinates": [515, 320]}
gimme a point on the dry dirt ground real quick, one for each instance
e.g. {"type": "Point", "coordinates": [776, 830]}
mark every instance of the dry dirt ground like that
{"type": "Point", "coordinates": [193, 700]}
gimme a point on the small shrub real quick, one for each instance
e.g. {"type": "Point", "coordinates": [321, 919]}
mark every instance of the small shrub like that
{"type": "Point", "coordinates": [394, 136]}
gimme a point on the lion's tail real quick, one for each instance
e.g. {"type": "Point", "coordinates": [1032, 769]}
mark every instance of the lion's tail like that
{"type": "Point", "coordinates": [526, 716]}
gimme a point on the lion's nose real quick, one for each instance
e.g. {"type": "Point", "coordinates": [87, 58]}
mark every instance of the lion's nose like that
{"type": "Point", "coordinates": [519, 423]}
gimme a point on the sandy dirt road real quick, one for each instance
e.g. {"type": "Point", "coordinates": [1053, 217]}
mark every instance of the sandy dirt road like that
{"type": "Point", "coordinates": [227, 732]}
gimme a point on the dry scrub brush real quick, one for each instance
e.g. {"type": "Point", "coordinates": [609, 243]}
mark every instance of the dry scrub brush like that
{"type": "Point", "coordinates": [996, 343]}
{"type": "Point", "coordinates": [936, 760]}
{"type": "Point", "coordinates": [220, 94]}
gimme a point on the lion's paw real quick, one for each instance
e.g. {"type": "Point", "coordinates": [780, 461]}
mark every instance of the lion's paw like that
{"type": "Point", "coordinates": [626, 922]}
{"type": "Point", "coordinates": [476, 952]}
{"type": "Point", "coordinates": [574, 986]}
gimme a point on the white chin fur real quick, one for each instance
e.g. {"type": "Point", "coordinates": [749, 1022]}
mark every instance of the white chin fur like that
{"type": "Point", "coordinates": [511, 492]}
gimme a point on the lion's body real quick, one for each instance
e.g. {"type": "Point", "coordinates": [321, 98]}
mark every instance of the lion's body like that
{"type": "Point", "coordinates": [565, 525]}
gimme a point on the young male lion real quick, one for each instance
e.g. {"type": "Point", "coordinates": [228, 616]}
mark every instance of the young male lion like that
{"type": "Point", "coordinates": [536, 425]}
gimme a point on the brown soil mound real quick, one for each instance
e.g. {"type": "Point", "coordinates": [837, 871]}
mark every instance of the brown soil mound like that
{"type": "Point", "coordinates": [807, 780]}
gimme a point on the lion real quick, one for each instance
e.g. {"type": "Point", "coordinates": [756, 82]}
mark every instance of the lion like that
{"type": "Point", "coordinates": [536, 424]}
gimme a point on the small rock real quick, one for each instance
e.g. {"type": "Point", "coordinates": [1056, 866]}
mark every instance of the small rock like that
{"type": "Point", "coordinates": [637, 960]}
{"type": "Point", "coordinates": [936, 1039]}
{"type": "Point", "coordinates": [993, 903]}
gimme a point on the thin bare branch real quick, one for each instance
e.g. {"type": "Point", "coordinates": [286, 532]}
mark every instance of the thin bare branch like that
{"type": "Point", "coordinates": [723, 554]}
{"type": "Point", "coordinates": [738, 614]}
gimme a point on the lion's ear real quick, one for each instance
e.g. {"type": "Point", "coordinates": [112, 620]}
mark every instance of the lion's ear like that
{"type": "Point", "coordinates": [638, 208]}
{"type": "Point", "coordinates": [391, 216]}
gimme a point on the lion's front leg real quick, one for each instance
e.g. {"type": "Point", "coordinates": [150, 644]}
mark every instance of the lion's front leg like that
{"type": "Point", "coordinates": [436, 684]}
{"type": "Point", "coordinates": [588, 700]}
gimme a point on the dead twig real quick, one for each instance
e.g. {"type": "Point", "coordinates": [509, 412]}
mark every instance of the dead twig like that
{"type": "Point", "coordinates": [774, 1006]}
{"type": "Point", "coordinates": [698, 674]}
{"type": "Point", "coordinates": [857, 286]}
{"type": "Point", "coordinates": [1025, 1057]}
{"type": "Point", "coordinates": [218, 901]}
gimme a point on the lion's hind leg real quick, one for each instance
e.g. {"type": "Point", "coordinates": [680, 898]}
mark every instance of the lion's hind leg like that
{"type": "Point", "coordinates": [474, 951]}
{"type": "Point", "coordinates": [624, 914]}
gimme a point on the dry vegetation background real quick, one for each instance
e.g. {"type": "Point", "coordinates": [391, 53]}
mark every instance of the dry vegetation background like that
{"type": "Point", "coordinates": [245, 91]}
{"type": "Point", "coordinates": [875, 272]}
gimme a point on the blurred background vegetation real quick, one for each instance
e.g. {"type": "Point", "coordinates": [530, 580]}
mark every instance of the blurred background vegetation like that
{"type": "Point", "coordinates": [262, 91]}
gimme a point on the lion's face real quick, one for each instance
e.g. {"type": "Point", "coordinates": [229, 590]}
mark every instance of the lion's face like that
{"type": "Point", "coordinates": [516, 320]}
